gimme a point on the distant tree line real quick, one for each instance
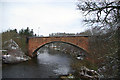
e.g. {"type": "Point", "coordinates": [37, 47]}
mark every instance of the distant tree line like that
{"type": "Point", "coordinates": [26, 32]}
{"type": "Point", "coordinates": [23, 32]}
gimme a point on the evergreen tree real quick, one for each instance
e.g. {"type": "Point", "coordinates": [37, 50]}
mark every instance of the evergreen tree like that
{"type": "Point", "coordinates": [26, 32]}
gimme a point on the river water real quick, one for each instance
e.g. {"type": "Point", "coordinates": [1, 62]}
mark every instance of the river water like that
{"type": "Point", "coordinates": [48, 64]}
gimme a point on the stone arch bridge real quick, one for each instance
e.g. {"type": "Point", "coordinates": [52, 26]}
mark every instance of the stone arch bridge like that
{"type": "Point", "coordinates": [35, 43]}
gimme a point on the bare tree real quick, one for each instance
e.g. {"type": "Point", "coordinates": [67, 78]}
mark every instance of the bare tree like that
{"type": "Point", "coordinates": [106, 12]}
{"type": "Point", "coordinates": [103, 17]}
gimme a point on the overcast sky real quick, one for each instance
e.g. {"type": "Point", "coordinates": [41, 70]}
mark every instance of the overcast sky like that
{"type": "Point", "coordinates": [45, 16]}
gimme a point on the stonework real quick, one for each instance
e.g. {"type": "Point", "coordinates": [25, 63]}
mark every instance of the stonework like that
{"type": "Point", "coordinates": [36, 42]}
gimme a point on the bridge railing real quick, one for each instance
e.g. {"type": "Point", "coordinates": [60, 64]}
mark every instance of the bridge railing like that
{"type": "Point", "coordinates": [61, 36]}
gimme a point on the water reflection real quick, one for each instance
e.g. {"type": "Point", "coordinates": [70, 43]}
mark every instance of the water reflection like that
{"type": "Point", "coordinates": [60, 62]}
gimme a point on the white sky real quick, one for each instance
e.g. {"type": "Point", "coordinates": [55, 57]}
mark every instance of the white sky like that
{"type": "Point", "coordinates": [50, 16]}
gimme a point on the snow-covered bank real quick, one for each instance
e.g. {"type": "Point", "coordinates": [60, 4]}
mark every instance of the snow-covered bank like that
{"type": "Point", "coordinates": [13, 59]}
{"type": "Point", "coordinates": [14, 54]}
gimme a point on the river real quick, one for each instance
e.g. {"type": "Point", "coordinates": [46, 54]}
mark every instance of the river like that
{"type": "Point", "coordinates": [48, 64]}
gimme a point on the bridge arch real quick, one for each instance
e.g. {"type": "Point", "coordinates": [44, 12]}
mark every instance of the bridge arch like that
{"type": "Point", "coordinates": [34, 43]}
{"type": "Point", "coordinates": [35, 51]}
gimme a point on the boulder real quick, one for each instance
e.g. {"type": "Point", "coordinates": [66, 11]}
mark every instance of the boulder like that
{"type": "Point", "coordinates": [86, 73]}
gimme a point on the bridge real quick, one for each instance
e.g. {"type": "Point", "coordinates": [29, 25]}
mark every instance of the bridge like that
{"type": "Point", "coordinates": [35, 43]}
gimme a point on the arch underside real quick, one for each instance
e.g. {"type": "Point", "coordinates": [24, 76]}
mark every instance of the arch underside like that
{"type": "Point", "coordinates": [35, 52]}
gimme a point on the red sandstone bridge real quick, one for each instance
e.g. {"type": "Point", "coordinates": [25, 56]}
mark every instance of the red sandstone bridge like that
{"type": "Point", "coordinates": [35, 43]}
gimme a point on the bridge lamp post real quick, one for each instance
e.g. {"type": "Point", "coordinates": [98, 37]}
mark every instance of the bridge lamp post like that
{"type": "Point", "coordinates": [38, 30]}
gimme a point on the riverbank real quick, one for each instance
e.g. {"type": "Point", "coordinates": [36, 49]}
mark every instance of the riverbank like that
{"type": "Point", "coordinates": [48, 64]}
{"type": "Point", "coordinates": [13, 53]}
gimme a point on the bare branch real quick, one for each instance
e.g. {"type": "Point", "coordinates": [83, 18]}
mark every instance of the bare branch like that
{"type": "Point", "coordinates": [110, 9]}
